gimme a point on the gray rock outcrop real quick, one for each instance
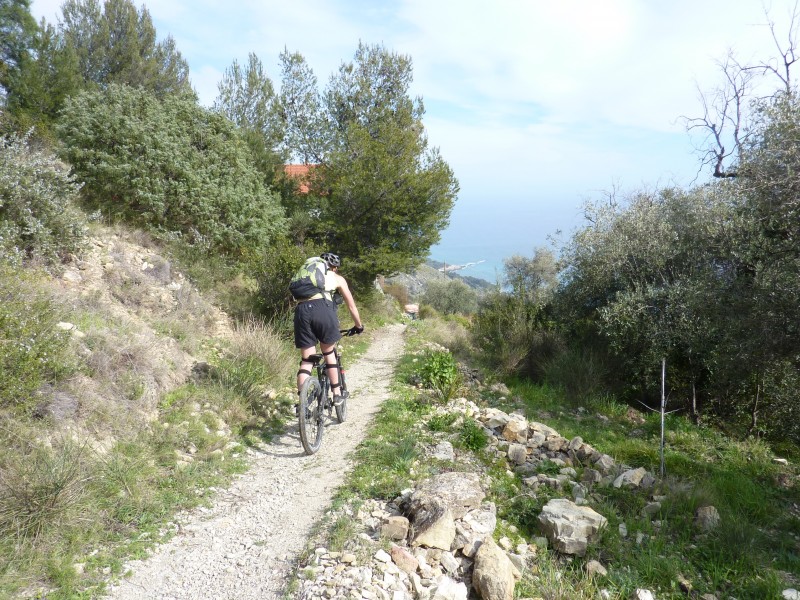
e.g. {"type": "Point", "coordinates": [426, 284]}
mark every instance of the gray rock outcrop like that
{"type": "Point", "coordinates": [570, 527]}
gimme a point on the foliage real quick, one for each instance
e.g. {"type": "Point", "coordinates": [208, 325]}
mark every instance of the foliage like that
{"type": "Point", "coordinates": [451, 296]}
{"type": "Point", "coordinates": [247, 98]}
{"type": "Point", "coordinates": [93, 45]}
{"type": "Point", "coordinates": [34, 350]}
{"type": "Point", "coordinates": [37, 219]}
{"type": "Point", "coordinates": [40, 489]}
{"type": "Point", "coordinates": [472, 436]}
{"type": "Point", "coordinates": [506, 330]}
{"type": "Point", "coordinates": [171, 166]}
{"type": "Point", "coordinates": [439, 372]}
{"type": "Point", "coordinates": [533, 279]}
{"type": "Point", "coordinates": [46, 77]}
{"type": "Point", "coordinates": [116, 43]}
{"type": "Point", "coordinates": [379, 195]}
{"type": "Point", "coordinates": [18, 28]}
{"type": "Point", "coordinates": [275, 269]}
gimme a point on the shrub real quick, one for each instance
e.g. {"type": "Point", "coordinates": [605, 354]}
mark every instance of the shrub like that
{"type": "Point", "coordinates": [278, 265]}
{"type": "Point", "coordinates": [579, 372]}
{"type": "Point", "coordinates": [451, 296]}
{"type": "Point", "coordinates": [37, 218]}
{"type": "Point", "coordinates": [33, 351]}
{"type": "Point", "coordinates": [505, 330]}
{"type": "Point", "coordinates": [439, 373]}
{"type": "Point", "coordinates": [398, 292]}
{"type": "Point", "coordinates": [442, 422]}
{"type": "Point", "coordinates": [169, 165]}
{"type": "Point", "coordinates": [39, 489]}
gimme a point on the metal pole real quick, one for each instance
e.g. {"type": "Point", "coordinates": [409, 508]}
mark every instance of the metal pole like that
{"type": "Point", "coordinates": [663, 409]}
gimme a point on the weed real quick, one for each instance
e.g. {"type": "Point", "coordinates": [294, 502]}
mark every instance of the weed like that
{"type": "Point", "coordinates": [442, 422]}
{"type": "Point", "coordinates": [473, 436]}
{"type": "Point", "coordinates": [439, 373]}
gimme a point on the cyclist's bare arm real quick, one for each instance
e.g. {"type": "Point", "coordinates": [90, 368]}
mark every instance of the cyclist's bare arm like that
{"type": "Point", "coordinates": [344, 290]}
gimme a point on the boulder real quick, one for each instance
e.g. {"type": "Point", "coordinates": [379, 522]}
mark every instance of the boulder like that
{"type": "Point", "coordinates": [449, 589]}
{"type": "Point", "coordinates": [404, 559]}
{"type": "Point", "coordinates": [433, 524]}
{"type": "Point", "coordinates": [461, 492]}
{"type": "Point", "coordinates": [495, 419]}
{"type": "Point", "coordinates": [631, 479]}
{"type": "Point", "coordinates": [604, 463]}
{"type": "Point", "coordinates": [706, 518]}
{"type": "Point", "coordinates": [493, 573]}
{"type": "Point", "coordinates": [516, 430]}
{"type": "Point", "coordinates": [518, 454]}
{"type": "Point", "coordinates": [396, 528]}
{"type": "Point", "coordinates": [570, 527]}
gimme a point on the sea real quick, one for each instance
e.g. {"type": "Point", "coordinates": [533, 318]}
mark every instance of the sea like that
{"type": "Point", "coordinates": [481, 241]}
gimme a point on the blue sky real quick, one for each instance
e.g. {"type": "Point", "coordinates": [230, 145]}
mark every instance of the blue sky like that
{"type": "Point", "coordinates": [537, 105]}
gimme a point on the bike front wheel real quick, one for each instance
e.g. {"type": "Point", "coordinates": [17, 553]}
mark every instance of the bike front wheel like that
{"type": "Point", "coordinates": [311, 415]}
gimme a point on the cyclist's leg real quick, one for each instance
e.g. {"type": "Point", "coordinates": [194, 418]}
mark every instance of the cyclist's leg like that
{"type": "Point", "coordinates": [305, 366]}
{"type": "Point", "coordinates": [332, 367]}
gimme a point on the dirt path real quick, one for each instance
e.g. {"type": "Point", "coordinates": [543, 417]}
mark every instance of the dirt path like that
{"type": "Point", "coordinates": [245, 545]}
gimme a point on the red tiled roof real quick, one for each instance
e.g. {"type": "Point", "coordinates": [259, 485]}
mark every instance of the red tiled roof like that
{"type": "Point", "coordinates": [300, 172]}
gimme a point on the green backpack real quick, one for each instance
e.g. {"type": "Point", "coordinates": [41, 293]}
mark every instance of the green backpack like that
{"type": "Point", "coordinates": [310, 279]}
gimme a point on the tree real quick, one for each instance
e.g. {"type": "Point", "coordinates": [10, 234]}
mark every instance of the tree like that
{"type": "Point", "coordinates": [17, 32]}
{"type": "Point", "coordinates": [247, 97]}
{"type": "Point", "coordinates": [380, 195]}
{"type": "Point", "coordinates": [116, 43]}
{"type": "Point", "coordinates": [451, 296]}
{"type": "Point", "coordinates": [46, 77]}
{"type": "Point", "coordinates": [728, 110]}
{"type": "Point", "coordinates": [532, 278]}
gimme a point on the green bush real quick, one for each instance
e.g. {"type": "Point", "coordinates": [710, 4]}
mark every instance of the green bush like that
{"type": "Point", "coordinates": [37, 219]}
{"type": "Point", "coordinates": [40, 488]}
{"type": "Point", "coordinates": [278, 265]}
{"type": "Point", "coordinates": [33, 351]}
{"type": "Point", "coordinates": [451, 296]}
{"type": "Point", "coordinates": [442, 422]}
{"type": "Point", "coordinates": [439, 373]}
{"type": "Point", "coordinates": [171, 166]}
{"type": "Point", "coordinates": [506, 329]}
{"type": "Point", "coordinates": [578, 371]}
{"type": "Point", "coordinates": [473, 436]}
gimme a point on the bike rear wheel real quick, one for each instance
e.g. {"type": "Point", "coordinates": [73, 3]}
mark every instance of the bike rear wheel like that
{"type": "Point", "coordinates": [311, 415]}
{"type": "Point", "coordinates": [341, 410]}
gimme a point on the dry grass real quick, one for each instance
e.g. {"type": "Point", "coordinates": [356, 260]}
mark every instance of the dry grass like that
{"type": "Point", "coordinates": [449, 333]}
{"type": "Point", "coordinates": [254, 339]}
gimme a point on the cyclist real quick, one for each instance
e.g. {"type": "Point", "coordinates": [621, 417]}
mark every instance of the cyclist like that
{"type": "Point", "coordinates": [315, 320]}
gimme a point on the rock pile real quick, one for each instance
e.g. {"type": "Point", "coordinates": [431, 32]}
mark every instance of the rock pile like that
{"type": "Point", "coordinates": [436, 542]}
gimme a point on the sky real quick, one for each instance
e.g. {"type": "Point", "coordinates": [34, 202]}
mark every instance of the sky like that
{"type": "Point", "coordinates": [538, 106]}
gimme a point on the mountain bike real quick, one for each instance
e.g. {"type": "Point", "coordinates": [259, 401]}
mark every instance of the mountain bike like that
{"type": "Point", "coordinates": [316, 403]}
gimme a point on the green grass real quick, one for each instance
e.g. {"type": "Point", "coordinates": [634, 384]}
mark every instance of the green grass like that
{"type": "Point", "coordinates": [743, 557]}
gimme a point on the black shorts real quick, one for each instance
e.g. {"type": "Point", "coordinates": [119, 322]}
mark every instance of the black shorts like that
{"type": "Point", "coordinates": [315, 320]}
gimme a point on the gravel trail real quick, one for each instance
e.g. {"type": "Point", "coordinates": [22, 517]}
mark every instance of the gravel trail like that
{"type": "Point", "coordinates": [245, 546]}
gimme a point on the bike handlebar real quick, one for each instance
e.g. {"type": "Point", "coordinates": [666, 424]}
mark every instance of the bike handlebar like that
{"type": "Point", "coordinates": [351, 331]}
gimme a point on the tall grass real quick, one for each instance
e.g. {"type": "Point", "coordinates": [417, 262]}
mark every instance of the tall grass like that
{"type": "Point", "coordinates": [41, 488]}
